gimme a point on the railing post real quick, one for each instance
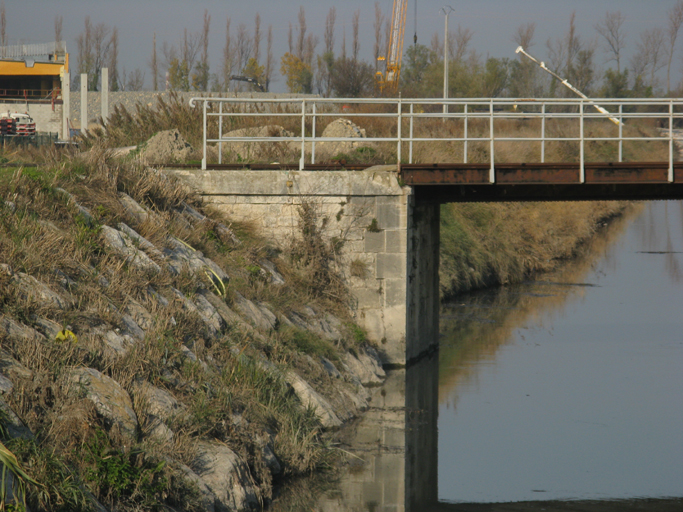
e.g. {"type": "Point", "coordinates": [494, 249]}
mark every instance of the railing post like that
{"type": "Point", "coordinates": [582, 169]}
{"type": "Point", "coordinates": [671, 141]}
{"type": "Point", "coordinates": [621, 132]}
{"type": "Point", "coordinates": [313, 135]}
{"type": "Point", "coordinates": [410, 152]}
{"type": "Point", "coordinates": [398, 131]}
{"type": "Point", "coordinates": [303, 134]}
{"type": "Point", "coordinates": [204, 137]}
{"type": "Point", "coordinates": [466, 136]}
{"type": "Point", "coordinates": [220, 132]}
{"type": "Point", "coordinates": [492, 171]}
{"type": "Point", "coordinates": [543, 133]}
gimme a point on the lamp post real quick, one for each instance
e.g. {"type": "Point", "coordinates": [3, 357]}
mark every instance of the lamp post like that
{"type": "Point", "coordinates": [446, 10]}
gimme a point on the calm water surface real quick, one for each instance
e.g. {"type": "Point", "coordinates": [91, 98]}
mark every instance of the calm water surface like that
{"type": "Point", "coordinates": [570, 388]}
{"type": "Point", "coordinates": [554, 392]}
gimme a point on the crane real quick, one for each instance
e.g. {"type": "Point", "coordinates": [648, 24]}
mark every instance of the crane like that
{"type": "Point", "coordinates": [389, 80]}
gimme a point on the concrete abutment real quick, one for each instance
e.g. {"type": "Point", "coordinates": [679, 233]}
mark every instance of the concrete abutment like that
{"type": "Point", "coordinates": [390, 242]}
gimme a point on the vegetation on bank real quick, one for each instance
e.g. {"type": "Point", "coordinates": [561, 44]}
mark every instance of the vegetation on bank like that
{"type": "Point", "coordinates": [225, 392]}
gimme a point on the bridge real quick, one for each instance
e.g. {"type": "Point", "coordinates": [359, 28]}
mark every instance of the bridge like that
{"type": "Point", "coordinates": [384, 219]}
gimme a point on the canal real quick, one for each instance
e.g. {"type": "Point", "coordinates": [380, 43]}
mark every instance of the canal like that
{"type": "Point", "coordinates": [562, 393]}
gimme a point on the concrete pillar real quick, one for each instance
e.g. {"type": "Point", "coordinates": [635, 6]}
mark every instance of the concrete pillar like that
{"type": "Point", "coordinates": [104, 96]}
{"type": "Point", "coordinates": [66, 104]}
{"type": "Point", "coordinates": [84, 102]}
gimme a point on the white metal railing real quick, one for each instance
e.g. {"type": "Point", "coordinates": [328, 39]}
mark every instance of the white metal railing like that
{"type": "Point", "coordinates": [662, 114]}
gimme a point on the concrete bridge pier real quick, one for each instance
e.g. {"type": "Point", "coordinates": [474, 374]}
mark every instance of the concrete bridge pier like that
{"type": "Point", "coordinates": [389, 241]}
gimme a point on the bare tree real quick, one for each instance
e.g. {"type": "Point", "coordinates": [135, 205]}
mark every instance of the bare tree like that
{"type": "Point", "coordinates": [269, 58]}
{"type": "Point", "coordinates": [190, 48]}
{"type": "Point", "coordinates": [290, 40]}
{"type": "Point", "coordinates": [309, 49]}
{"type": "Point", "coordinates": [134, 81]}
{"type": "Point", "coordinates": [458, 42]}
{"type": "Point", "coordinates": [200, 79]}
{"type": "Point", "coordinates": [611, 30]}
{"type": "Point", "coordinates": [356, 43]}
{"type": "Point", "coordinates": [3, 25]}
{"type": "Point", "coordinates": [524, 36]}
{"type": "Point", "coordinates": [243, 45]}
{"type": "Point", "coordinates": [436, 46]}
{"type": "Point", "coordinates": [674, 25]}
{"type": "Point", "coordinates": [153, 64]}
{"type": "Point", "coordinates": [651, 50]}
{"type": "Point", "coordinates": [379, 20]}
{"type": "Point", "coordinates": [93, 50]}
{"type": "Point", "coordinates": [228, 56]}
{"type": "Point", "coordinates": [257, 37]}
{"type": "Point", "coordinates": [58, 28]}
{"type": "Point", "coordinates": [301, 36]}
{"type": "Point", "coordinates": [329, 30]}
{"type": "Point", "coordinates": [114, 60]}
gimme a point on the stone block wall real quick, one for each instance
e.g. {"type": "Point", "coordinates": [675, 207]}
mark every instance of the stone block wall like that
{"type": "Point", "coordinates": [369, 214]}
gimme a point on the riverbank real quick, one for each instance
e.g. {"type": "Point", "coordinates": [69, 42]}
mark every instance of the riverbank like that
{"type": "Point", "coordinates": [493, 244]}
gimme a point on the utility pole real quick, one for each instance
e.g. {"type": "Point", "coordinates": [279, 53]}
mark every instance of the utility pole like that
{"type": "Point", "coordinates": [446, 10]}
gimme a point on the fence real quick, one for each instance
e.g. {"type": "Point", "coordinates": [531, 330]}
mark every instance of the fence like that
{"type": "Point", "coordinates": [489, 116]}
{"type": "Point", "coordinates": [39, 139]}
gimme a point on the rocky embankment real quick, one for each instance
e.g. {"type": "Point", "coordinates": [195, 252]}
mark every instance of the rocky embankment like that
{"type": "Point", "coordinates": [151, 356]}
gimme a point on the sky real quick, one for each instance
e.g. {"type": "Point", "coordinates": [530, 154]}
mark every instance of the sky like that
{"type": "Point", "coordinates": [493, 23]}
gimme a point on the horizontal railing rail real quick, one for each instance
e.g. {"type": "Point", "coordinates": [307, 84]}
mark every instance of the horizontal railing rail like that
{"type": "Point", "coordinates": [492, 118]}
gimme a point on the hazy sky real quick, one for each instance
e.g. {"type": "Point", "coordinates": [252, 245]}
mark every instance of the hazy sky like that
{"type": "Point", "coordinates": [493, 22]}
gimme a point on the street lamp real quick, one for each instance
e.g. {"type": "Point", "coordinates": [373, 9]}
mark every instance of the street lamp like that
{"type": "Point", "coordinates": [446, 10]}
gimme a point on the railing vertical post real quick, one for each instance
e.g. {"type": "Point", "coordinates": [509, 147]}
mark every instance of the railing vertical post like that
{"type": "Point", "coordinates": [543, 133]}
{"type": "Point", "coordinates": [671, 141]}
{"type": "Point", "coordinates": [582, 169]}
{"type": "Point", "coordinates": [220, 132]}
{"type": "Point", "coordinates": [303, 134]}
{"type": "Point", "coordinates": [410, 152]}
{"type": "Point", "coordinates": [466, 136]}
{"type": "Point", "coordinates": [204, 137]}
{"type": "Point", "coordinates": [621, 132]}
{"type": "Point", "coordinates": [313, 135]}
{"type": "Point", "coordinates": [492, 171]}
{"type": "Point", "coordinates": [398, 131]}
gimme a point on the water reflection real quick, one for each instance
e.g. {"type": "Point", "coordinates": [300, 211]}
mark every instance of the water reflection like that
{"type": "Point", "coordinates": [436, 438]}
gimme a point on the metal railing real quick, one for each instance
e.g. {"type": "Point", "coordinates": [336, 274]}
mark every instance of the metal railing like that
{"type": "Point", "coordinates": [486, 116]}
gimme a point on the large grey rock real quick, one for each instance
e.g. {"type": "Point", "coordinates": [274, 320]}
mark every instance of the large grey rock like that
{"type": "Point", "coordinates": [211, 323]}
{"type": "Point", "coordinates": [181, 256]}
{"type": "Point", "coordinates": [227, 476]}
{"type": "Point", "coordinates": [208, 311]}
{"type": "Point", "coordinates": [118, 343]}
{"type": "Point", "coordinates": [141, 316]}
{"type": "Point", "coordinates": [133, 208]}
{"type": "Point", "coordinates": [111, 401]}
{"type": "Point", "coordinates": [272, 275]}
{"type": "Point", "coordinates": [141, 241]}
{"type": "Point", "coordinates": [32, 289]}
{"type": "Point", "coordinates": [207, 496]}
{"type": "Point", "coordinates": [309, 397]}
{"type": "Point", "coordinates": [365, 366]}
{"type": "Point", "coordinates": [19, 331]}
{"type": "Point", "coordinates": [123, 245]}
{"type": "Point", "coordinates": [13, 369]}
{"type": "Point", "coordinates": [257, 314]}
{"type": "Point", "coordinates": [227, 314]}
{"type": "Point", "coordinates": [340, 128]}
{"type": "Point", "coordinates": [166, 147]}
{"type": "Point", "coordinates": [15, 427]}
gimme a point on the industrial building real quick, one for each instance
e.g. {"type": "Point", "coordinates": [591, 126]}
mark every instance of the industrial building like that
{"type": "Point", "coordinates": [34, 80]}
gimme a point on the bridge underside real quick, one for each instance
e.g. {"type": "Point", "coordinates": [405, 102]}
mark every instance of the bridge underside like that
{"type": "Point", "coordinates": [446, 183]}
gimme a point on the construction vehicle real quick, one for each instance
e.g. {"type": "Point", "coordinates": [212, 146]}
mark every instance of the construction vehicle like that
{"type": "Point", "coordinates": [388, 81]}
{"type": "Point", "coordinates": [17, 125]}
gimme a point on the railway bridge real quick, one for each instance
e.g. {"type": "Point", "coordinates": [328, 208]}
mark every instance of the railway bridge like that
{"type": "Point", "coordinates": [384, 219]}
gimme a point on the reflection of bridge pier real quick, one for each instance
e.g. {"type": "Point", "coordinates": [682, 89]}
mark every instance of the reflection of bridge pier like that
{"type": "Point", "coordinates": [397, 440]}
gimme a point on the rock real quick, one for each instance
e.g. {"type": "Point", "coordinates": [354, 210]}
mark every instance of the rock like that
{"type": "Point", "coordinates": [209, 312]}
{"type": "Point", "coordinates": [211, 324]}
{"type": "Point", "coordinates": [131, 327]}
{"type": "Point", "coordinates": [138, 312]}
{"type": "Point", "coordinates": [250, 149]}
{"type": "Point", "coordinates": [142, 242]}
{"type": "Point", "coordinates": [259, 315]}
{"type": "Point", "coordinates": [227, 476]}
{"type": "Point", "coordinates": [15, 330]}
{"type": "Point", "coordinates": [117, 342]}
{"type": "Point", "coordinates": [132, 208]}
{"type": "Point", "coordinates": [123, 245]}
{"type": "Point", "coordinates": [366, 366]}
{"type": "Point", "coordinates": [47, 327]}
{"type": "Point", "coordinates": [275, 277]}
{"type": "Point", "coordinates": [181, 256]}
{"type": "Point", "coordinates": [330, 368]}
{"type": "Point", "coordinates": [13, 369]}
{"type": "Point", "coordinates": [166, 147]}
{"type": "Point", "coordinates": [208, 497]}
{"type": "Point", "coordinates": [309, 397]}
{"type": "Point", "coordinates": [6, 385]}
{"type": "Point", "coordinates": [111, 401]}
{"type": "Point", "coordinates": [340, 128]}
{"type": "Point", "coordinates": [86, 216]}
{"type": "Point", "coordinates": [15, 427]}
{"type": "Point", "coordinates": [160, 402]}
{"type": "Point", "coordinates": [32, 289]}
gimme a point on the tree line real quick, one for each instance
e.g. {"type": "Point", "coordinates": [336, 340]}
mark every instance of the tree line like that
{"type": "Point", "coordinates": [594, 65]}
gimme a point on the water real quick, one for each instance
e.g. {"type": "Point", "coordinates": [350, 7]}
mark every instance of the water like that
{"type": "Point", "coordinates": [557, 392]}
